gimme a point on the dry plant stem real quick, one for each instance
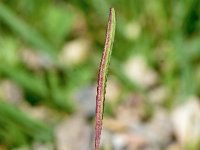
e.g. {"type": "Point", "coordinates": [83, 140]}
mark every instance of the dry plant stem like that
{"type": "Point", "coordinates": [102, 76]}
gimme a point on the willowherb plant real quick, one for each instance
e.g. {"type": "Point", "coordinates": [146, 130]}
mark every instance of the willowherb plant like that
{"type": "Point", "coordinates": [102, 75]}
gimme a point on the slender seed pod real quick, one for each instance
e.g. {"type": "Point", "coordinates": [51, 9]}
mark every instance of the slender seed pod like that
{"type": "Point", "coordinates": [102, 75]}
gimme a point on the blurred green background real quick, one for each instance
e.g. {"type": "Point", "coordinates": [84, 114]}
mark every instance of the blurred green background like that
{"type": "Point", "coordinates": [50, 53]}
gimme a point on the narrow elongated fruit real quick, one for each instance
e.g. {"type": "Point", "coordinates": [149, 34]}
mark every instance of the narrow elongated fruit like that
{"type": "Point", "coordinates": [102, 76]}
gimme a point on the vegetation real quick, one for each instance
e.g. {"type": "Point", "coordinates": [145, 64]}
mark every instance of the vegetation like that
{"type": "Point", "coordinates": [33, 34]}
{"type": "Point", "coordinates": [102, 76]}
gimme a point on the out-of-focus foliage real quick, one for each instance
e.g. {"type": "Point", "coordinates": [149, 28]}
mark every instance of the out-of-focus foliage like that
{"type": "Point", "coordinates": [34, 35]}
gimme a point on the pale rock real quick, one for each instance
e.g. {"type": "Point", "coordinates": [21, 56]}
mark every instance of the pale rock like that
{"type": "Point", "coordinates": [106, 139]}
{"type": "Point", "coordinates": [153, 135]}
{"type": "Point", "coordinates": [11, 92]}
{"type": "Point", "coordinates": [73, 134]}
{"type": "Point", "coordinates": [85, 99]}
{"type": "Point", "coordinates": [119, 141]}
{"type": "Point", "coordinates": [74, 52]}
{"type": "Point", "coordinates": [159, 129]}
{"type": "Point", "coordinates": [112, 89]}
{"type": "Point", "coordinates": [129, 141]}
{"type": "Point", "coordinates": [132, 111]}
{"type": "Point", "coordinates": [132, 30]}
{"type": "Point", "coordinates": [38, 112]}
{"type": "Point", "coordinates": [158, 95]}
{"type": "Point", "coordinates": [138, 71]}
{"type": "Point", "coordinates": [36, 60]}
{"type": "Point", "coordinates": [41, 146]}
{"type": "Point", "coordinates": [186, 121]}
{"type": "Point", "coordinates": [136, 141]}
{"type": "Point", "coordinates": [114, 125]}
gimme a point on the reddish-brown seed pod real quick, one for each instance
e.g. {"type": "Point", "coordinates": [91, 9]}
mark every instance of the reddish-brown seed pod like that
{"type": "Point", "coordinates": [102, 75]}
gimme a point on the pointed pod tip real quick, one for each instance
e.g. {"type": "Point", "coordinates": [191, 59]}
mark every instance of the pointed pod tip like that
{"type": "Point", "coordinates": [112, 10]}
{"type": "Point", "coordinates": [112, 16]}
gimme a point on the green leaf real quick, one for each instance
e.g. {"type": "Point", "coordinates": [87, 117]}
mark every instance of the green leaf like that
{"type": "Point", "coordinates": [16, 126]}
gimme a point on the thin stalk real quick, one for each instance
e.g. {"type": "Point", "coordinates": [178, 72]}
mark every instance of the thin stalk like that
{"type": "Point", "coordinates": [102, 76]}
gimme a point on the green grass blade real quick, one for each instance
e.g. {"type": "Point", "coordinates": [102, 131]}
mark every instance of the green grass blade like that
{"type": "Point", "coordinates": [102, 76]}
{"type": "Point", "coordinates": [26, 32]}
{"type": "Point", "coordinates": [26, 126]}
